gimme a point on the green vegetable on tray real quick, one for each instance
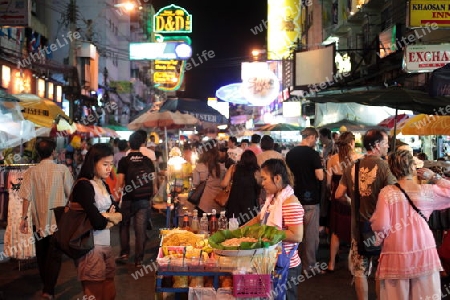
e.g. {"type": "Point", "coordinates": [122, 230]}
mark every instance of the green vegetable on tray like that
{"type": "Point", "coordinates": [266, 235]}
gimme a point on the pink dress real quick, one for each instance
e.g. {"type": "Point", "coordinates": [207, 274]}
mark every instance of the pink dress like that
{"type": "Point", "coordinates": [409, 248]}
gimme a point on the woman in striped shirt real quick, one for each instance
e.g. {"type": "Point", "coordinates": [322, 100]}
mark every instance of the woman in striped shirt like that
{"type": "Point", "coordinates": [283, 210]}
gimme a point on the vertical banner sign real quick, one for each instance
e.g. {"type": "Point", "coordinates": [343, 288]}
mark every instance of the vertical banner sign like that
{"type": "Point", "coordinates": [283, 27]}
{"type": "Point", "coordinates": [425, 12]}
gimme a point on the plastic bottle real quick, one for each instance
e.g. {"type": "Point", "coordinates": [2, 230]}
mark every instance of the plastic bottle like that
{"type": "Point", "coordinates": [213, 224]}
{"type": "Point", "coordinates": [204, 224]}
{"type": "Point", "coordinates": [223, 222]}
{"type": "Point", "coordinates": [195, 224]}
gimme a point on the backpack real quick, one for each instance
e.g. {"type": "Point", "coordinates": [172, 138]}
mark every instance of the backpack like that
{"type": "Point", "coordinates": [139, 177]}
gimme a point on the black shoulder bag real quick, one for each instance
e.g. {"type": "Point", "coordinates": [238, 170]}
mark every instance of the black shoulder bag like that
{"type": "Point", "coordinates": [366, 237]}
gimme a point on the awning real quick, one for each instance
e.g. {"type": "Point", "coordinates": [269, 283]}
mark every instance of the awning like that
{"type": "Point", "coordinates": [396, 97]}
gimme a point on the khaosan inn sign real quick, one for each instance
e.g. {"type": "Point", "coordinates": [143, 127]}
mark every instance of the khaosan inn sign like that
{"type": "Point", "coordinates": [425, 58]}
{"type": "Point", "coordinates": [423, 12]}
{"type": "Point", "coordinates": [172, 19]}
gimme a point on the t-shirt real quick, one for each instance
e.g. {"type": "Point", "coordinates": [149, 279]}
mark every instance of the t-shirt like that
{"type": "Point", "coordinates": [292, 215]}
{"type": "Point", "coordinates": [146, 152]}
{"type": "Point", "coordinates": [374, 174]}
{"type": "Point", "coordinates": [235, 154]}
{"type": "Point", "coordinates": [303, 162]}
{"type": "Point", "coordinates": [124, 164]}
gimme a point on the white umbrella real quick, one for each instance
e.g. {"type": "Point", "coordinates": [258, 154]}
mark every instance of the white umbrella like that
{"type": "Point", "coordinates": [166, 119]}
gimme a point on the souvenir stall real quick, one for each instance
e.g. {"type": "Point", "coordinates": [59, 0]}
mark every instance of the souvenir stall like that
{"type": "Point", "coordinates": [229, 264]}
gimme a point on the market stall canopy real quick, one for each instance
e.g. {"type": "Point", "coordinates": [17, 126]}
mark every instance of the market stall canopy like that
{"type": "Point", "coordinates": [425, 125]}
{"type": "Point", "coordinates": [279, 127]}
{"type": "Point", "coordinates": [395, 96]}
{"type": "Point", "coordinates": [14, 129]}
{"type": "Point", "coordinates": [349, 125]}
{"type": "Point", "coordinates": [199, 109]}
{"type": "Point", "coordinates": [162, 119]}
{"type": "Point", "coordinates": [392, 120]}
{"type": "Point", "coordinates": [42, 112]}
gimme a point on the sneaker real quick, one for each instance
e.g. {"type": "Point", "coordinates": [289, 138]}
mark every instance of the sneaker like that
{"type": "Point", "coordinates": [122, 259]}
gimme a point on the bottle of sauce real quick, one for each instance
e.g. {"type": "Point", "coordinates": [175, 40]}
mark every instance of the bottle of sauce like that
{"type": "Point", "coordinates": [213, 224]}
{"type": "Point", "coordinates": [195, 223]}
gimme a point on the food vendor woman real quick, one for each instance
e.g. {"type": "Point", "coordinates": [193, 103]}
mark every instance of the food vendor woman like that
{"type": "Point", "coordinates": [283, 210]}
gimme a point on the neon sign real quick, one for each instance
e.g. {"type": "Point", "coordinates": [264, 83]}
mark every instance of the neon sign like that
{"type": "Point", "coordinates": [172, 19]}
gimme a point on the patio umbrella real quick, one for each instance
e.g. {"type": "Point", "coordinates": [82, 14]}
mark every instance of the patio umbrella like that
{"type": "Point", "coordinates": [41, 112]}
{"type": "Point", "coordinates": [199, 109]}
{"type": "Point", "coordinates": [163, 119]}
{"type": "Point", "coordinates": [425, 125]}
{"type": "Point", "coordinates": [279, 128]}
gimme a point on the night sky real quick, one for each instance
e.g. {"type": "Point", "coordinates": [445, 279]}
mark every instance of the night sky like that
{"type": "Point", "coordinates": [224, 28]}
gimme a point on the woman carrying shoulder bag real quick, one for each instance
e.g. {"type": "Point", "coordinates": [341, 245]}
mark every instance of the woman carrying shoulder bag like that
{"type": "Point", "coordinates": [96, 270]}
{"type": "Point", "coordinates": [409, 264]}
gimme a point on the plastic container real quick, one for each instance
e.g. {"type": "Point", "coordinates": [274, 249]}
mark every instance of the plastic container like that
{"type": "Point", "coordinates": [251, 285]}
{"type": "Point", "coordinates": [233, 223]}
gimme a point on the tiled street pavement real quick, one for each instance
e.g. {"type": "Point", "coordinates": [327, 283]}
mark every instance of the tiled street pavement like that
{"type": "Point", "coordinates": [25, 284]}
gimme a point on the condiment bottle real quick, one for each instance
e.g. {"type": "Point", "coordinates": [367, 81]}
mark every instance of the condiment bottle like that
{"type": "Point", "coordinates": [213, 224]}
{"type": "Point", "coordinates": [195, 224]}
{"type": "Point", "coordinates": [186, 221]}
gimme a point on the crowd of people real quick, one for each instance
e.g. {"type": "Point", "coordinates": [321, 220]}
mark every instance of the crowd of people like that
{"type": "Point", "coordinates": [305, 193]}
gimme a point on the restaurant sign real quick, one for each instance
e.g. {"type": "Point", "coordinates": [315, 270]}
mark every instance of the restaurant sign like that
{"type": "Point", "coordinates": [423, 12]}
{"type": "Point", "coordinates": [425, 58]}
{"type": "Point", "coordinates": [172, 19]}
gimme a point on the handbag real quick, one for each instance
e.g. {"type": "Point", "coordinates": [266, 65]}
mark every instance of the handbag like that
{"type": "Point", "coordinates": [222, 197]}
{"type": "Point", "coordinates": [366, 238]}
{"type": "Point", "coordinates": [74, 236]}
{"type": "Point", "coordinates": [196, 193]}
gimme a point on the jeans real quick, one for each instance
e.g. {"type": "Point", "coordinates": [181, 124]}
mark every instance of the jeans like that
{"type": "Point", "coordinates": [310, 244]}
{"type": "Point", "coordinates": [293, 278]}
{"type": "Point", "coordinates": [139, 210]}
{"type": "Point", "coordinates": [48, 259]}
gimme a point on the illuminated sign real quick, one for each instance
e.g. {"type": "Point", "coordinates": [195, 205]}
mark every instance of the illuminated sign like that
{"type": "Point", "coordinates": [168, 74]}
{"type": "Point", "coordinates": [425, 58]}
{"type": "Point", "coordinates": [172, 19]}
{"type": "Point", "coordinates": [161, 51]}
{"type": "Point", "coordinates": [423, 12]}
{"type": "Point", "coordinates": [283, 27]}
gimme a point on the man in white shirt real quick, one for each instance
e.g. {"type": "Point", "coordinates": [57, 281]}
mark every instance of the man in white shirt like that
{"type": "Point", "coordinates": [234, 152]}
